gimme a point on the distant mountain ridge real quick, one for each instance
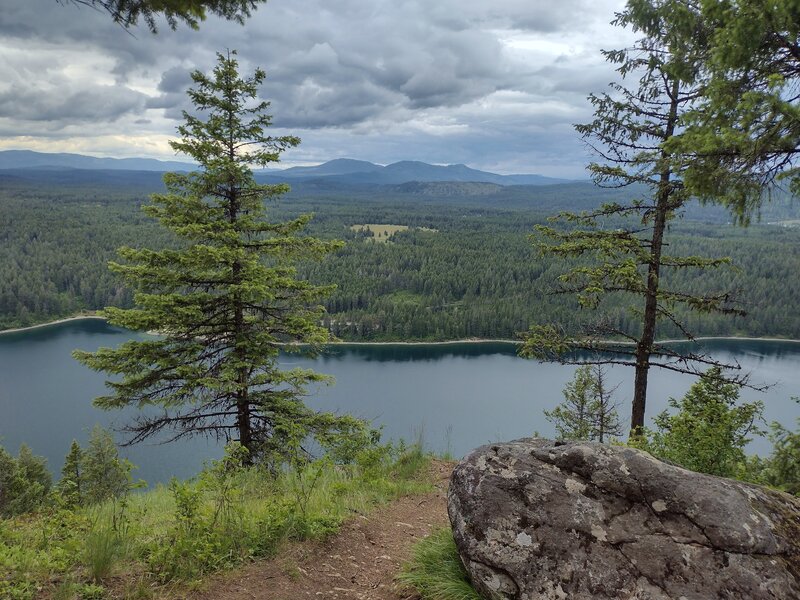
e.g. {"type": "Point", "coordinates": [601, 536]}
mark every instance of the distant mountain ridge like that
{"type": "Point", "coordinates": [28, 159]}
{"type": "Point", "coordinates": [341, 170]}
{"type": "Point", "coordinates": [350, 171]}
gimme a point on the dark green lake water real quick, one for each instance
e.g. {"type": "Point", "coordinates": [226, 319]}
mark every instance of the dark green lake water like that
{"type": "Point", "coordinates": [458, 395]}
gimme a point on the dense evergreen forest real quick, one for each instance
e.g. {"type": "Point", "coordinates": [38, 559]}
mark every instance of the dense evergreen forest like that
{"type": "Point", "coordinates": [465, 268]}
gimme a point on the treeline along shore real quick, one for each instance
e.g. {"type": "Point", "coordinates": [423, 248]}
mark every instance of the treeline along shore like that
{"type": "Point", "coordinates": [416, 343]}
{"type": "Point", "coordinates": [441, 269]}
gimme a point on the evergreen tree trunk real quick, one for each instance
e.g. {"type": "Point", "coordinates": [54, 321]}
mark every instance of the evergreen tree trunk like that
{"type": "Point", "coordinates": [645, 346]}
{"type": "Point", "coordinates": [600, 403]}
{"type": "Point", "coordinates": [243, 417]}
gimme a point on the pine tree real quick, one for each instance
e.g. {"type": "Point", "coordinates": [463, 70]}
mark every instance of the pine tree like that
{"type": "Point", "coordinates": [24, 481]}
{"type": "Point", "coordinates": [72, 485]}
{"type": "Point", "coordinates": [605, 419]}
{"type": "Point", "coordinates": [572, 418]}
{"type": "Point", "coordinates": [588, 411]}
{"type": "Point", "coordinates": [228, 299]}
{"type": "Point", "coordinates": [621, 247]}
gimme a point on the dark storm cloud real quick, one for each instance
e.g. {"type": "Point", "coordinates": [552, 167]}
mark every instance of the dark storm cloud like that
{"type": "Point", "coordinates": [104, 103]}
{"type": "Point", "coordinates": [427, 76]}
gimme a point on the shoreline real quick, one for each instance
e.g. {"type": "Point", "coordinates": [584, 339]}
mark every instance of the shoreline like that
{"type": "Point", "coordinates": [50, 323]}
{"type": "Point", "coordinates": [442, 343]}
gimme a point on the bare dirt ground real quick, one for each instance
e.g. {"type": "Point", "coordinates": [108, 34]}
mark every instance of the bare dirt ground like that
{"type": "Point", "coordinates": [360, 562]}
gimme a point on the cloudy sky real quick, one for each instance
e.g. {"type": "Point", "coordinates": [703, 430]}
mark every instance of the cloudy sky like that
{"type": "Point", "coordinates": [493, 84]}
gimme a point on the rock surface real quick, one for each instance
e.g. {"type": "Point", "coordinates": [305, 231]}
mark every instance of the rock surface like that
{"type": "Point", "coordinates": [540, 520]}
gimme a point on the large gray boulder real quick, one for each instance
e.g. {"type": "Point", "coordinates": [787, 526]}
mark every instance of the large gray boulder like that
{"type": "Point", "coordinates": [539, 520]}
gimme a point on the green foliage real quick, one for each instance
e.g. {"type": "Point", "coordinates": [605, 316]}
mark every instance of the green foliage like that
{"type": "Point", "coordinates": [60, 235]}
{"type": "Point", "coordinates": [435, 571]}
{"type": "Point", "coordinates": [217, 524]}
{"type": "Point", "coordinates": [72, 486]}
{"type": "Point", "coordinates": [194, 547]}
{"type": "Point", "coordinates": [191, 12]}
{"type": "Point", "coordinates": [709, 429]}
{"type": "Point", "coordinates": [91, 591]}
{"type": "Point", "coordinates": [24, 482]}
{"type": "Point", "coordinates": [572, 418]}
{"type": "Point", "coordinates": [34, 547]}
{"type": "Point", "coordinates": [587, 412]}
{"type": "Point", "coordinates": [229, 296]}
{"type": "Point", "coordinates": [743, 136]}
{"type": "Point", "coordinates": [105, 475]}
{"type": "Point", "coordinates": [782, 468]}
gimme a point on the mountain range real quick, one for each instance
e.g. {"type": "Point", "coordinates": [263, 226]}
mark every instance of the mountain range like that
{"type": "Point", "coordinates": [345, 170]}
{"type": "Point", "coordinates": [28, 159]}
{"type": "Point", "coordinates": [342, 171]}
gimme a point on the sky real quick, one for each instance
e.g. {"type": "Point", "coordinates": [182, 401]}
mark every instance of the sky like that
{"type": "Point", "coordinates": [495, 84]}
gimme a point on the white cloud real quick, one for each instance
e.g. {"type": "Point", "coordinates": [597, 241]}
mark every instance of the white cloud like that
{"type": "Point", "coordinates": [492, 84]}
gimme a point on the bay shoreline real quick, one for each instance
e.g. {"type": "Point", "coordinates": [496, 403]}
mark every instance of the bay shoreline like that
{"type": "Point", "coordinates": [50, 324]}
{"type": "Point", "coordinates": [417, 343]}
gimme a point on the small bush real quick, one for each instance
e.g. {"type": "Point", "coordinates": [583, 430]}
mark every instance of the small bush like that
{"type": "Point", "coordinates": [104, 474]}
{"type": "Point", "coordinates": [24, 482]}
{"type": "Point", "coordinates": [709, 429]}
{"type": "Point", "coordinates": [782, 469]}
{"type": "Point", "coordinates": [435, 570]}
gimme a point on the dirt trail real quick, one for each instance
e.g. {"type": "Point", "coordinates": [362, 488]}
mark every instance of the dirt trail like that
{"type": "Point", "coordinates": [358, 563]}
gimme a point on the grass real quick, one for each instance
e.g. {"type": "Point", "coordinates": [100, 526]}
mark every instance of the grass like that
{"type": "Point", "coordinates": [435, 570]}
{"type": "Point", "coordinates": [405, 297]}
{"type": "Point", "coordinates": [380, 232]}
{"type": "Point", "coordinates": [176, 535]}
{"type": "Point", "coordinates": [101, 551]}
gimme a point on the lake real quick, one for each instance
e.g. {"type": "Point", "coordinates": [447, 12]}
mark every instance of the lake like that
{"type": "Point", "coordinates": [456, 396]}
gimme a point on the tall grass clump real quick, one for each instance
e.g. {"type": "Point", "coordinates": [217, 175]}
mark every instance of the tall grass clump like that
{"type": "Point", "coordinates": [435, 570]}
{"type": "Point", "coordinates": [101, 551]}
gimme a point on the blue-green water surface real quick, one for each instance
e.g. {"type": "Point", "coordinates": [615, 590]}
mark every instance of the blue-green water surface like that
{"type": "Point", "coordinates": [457, 396]}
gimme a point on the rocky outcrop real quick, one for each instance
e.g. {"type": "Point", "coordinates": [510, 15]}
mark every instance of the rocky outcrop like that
{"type": "Point", "coordinates": [540, 520]}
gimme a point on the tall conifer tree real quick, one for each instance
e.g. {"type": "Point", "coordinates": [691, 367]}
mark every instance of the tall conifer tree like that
{"type": "Point", "coordinates": [225, 300]}
{"type": "Point", "coordinates": [621, 247]}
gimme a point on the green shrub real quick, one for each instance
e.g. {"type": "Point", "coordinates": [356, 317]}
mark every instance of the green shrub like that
{"type": "Point", "coordinates": [105, 474]}
{"type": "Point", "coordinates": [91, 591]}
{"type": "Point", "coordinates": [708, 431]}
{"type": "Point", "coordinates": [782, 468]}
{"type": "Point", "coordinates": [24, 482]}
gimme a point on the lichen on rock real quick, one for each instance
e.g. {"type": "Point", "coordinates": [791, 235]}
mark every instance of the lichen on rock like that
{"type": "Point", "coordinates": [539, 520]}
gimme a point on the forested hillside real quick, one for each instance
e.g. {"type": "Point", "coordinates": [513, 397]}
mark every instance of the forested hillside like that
{"type": "Point", "coordinates": [464, 268]}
